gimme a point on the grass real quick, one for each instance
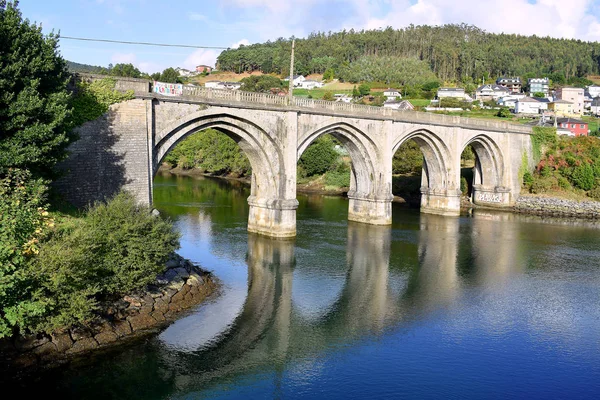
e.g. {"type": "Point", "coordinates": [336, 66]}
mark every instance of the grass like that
{"type": "Point", "coordinates": [419, 102]}
{"type": "Point", "coordinates": [593, 122]}
{"type": "Point", "coordinates": [317, 93]}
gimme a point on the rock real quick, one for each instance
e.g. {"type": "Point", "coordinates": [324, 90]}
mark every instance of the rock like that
{"type": "Point", "coordinates": [62, 341]}
{"type": "Point", "coordinates": [176, 284]}
{"type": "Point", "coordinates": [80, 333]}
{"type": "Point", "coordinates": [155, 212]}
{"type": "Point", "coordinates": [133, 301]}
{"type": "Point", "coordinates": [30, 342]}
{"type": "Point", "coordinates": [84, 344]}
{"type": "Point", "coordinates": [46, 349]}
{"type": "Point", "coordinates": [195, 279]}
{"type": "Point", "coordinates": [172, 263]}
{"type": "Point", "coordinates": [106, 337]}
{"type": "Point", "coordinates": [158, 316]}
{"type": "Point", "coordinates": [182, 272]}
{"type": "Point", "coordinates": [122, 328]}
{"type": "Point", "coordinates": [141, 322]}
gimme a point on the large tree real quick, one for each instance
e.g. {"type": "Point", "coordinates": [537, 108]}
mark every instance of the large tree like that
{"type": "Point", "coordinates": [34, 101]}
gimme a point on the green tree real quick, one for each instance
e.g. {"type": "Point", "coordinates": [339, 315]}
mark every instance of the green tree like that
{"type": "Point", "coordinates": [355, 92]}
{"type": "Point", "coordinates": [169, 75]}
{"type": "Point", "coordinates": [504, 112]}
{"type": "Point", "coordinates": [34, 102]}
{"type": "Point", "coordinates": [262, 83]}
{"type": "Point", "coordinates": [125, 70]}
{"type": "Point", "coordinates": [328, 95]}
{"type": "Point", "coordinates": [539, 95]}
{"type": "Point", "coordinates": [329, 74]}
{"type": "Point", "coordinates": [319, 157]}
{"type": "Point", "coordinates": [408, 159]}
{"type": "Point", "coordinates": [364, 89]}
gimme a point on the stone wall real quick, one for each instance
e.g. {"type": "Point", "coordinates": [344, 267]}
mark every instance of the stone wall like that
{"type": "Point", "coordinates": [558, 207]}
{"type": "Point", "coordinates": [180, 287]}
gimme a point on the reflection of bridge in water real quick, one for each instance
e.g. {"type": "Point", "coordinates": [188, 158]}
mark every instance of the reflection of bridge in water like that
{"type": "Point", "coordinates": [271, 330]}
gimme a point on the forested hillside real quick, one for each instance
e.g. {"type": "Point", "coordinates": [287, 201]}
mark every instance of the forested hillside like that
{"type": "Point", "coordinates": [454, 53]}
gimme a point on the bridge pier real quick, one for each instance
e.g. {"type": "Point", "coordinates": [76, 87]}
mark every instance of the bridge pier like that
{"type": "Point", "coordinates": [492, 196]}
{"type": "Point", "coordinates": [272, 217]}
{"type": "Point", "coordinates": [374, 211]}
{"type": "Point", "coordinates": [440, 201]}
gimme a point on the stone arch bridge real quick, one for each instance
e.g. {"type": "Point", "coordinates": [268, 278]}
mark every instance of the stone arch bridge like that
{"type": "Point", "coordinates": [124, 148]}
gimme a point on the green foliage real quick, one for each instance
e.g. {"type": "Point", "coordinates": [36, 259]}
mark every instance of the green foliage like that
{"type": "Point", "coordinates": [169, 75]}
{"type": "Point", "coordinates": [541, 138]}
{"type": "Point", "coordinates": [319, 157]}
{"type": "Point", "coordinates": [468, 154]}
{"type": "Point", "coordinates": [504, 112]}
{"type": "Point", "coordinates": [329, 74]}
{"type": "Point", "coordinates": [210, 151]}
{"type": "Point", "coordinates": [125, 70]}
{"type": "Point", "coordinates": [450, 102]}
{"type": "Point", "coordinates": [34, 100]}
{"type": "Point", "coordinates": [92, 100]}
{"type": "Point", "coordinates": [355, 92]}
{"type": "Point", "coordinates": [408, 159]}
{"type": "Point", "coordinates": [464, 186]}
{"type": "Point", "coordinates": [338, 177]}
{"type": "Point", "coordinates": [24, 222]}
{"type": "Point", "coordinates": [527, 179]}
{"type": "Point", "coordinates": [114, 249]}
{"type": "Point", "coordinates": [364, 89]}
{"type": "Point", "coordinates": [328, 95]}
{"type": "Point", "coordinates": [403, 71]}
{"type": "Point", "coordinates": [539, 95]}
{"type": "Point", "coordinates": [262, 83]}
{"type": "Point", "coordinates": [583, 176]}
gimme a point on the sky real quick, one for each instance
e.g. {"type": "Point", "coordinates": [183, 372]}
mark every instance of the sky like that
{"type": "Point", "coordinates": [229, 23]}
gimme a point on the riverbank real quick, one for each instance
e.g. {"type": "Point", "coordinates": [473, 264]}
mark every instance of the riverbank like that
{"type": "Point", "coordinates": [182, 286]}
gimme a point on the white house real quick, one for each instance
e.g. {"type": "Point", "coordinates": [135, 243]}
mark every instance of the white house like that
{"type": "Point", "coordinates": [491, 92]}
{"type": "Point", "coordinates": [310, 84]}
{"type": "Point", "coordinates": [510, 101]}
{"type": "Point", "coordinates": [229, 85]}
{"type": "Point", "coordinates": [342, 98]}
{"type": "Point", "coordinates": [403, 105]}
{"type": "Point", "coordinates": [212, 84]}
{"type": "Point", "coordinates": [530, 105]}
{"type": "Point", "coordinates": [595, 106]}
{"type": "Point", "coordinates": [297, 80]}
{"type": "Point", "coordinates": [185, 72]}
{"type": "Point", "coordinates": [392, 94]}
{"type": "Point", "coordinates": [593, 91]}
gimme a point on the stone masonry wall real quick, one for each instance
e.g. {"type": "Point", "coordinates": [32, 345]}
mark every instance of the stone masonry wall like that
{"type": "Point", "coordinates": [558, 207]}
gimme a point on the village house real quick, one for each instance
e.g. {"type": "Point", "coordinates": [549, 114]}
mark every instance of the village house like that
{"type": "Point", "coordinates": [593, 91]}
{"type": "Point", "coordinates": [342, 98]}
{"type": "Point", "coordinates": [204, 68]}
{"type": "Point", "coordinates": [514, 85]}
{"type": "Point", "coordinates": [392, 94]}
{"type": "Point", "coordinates": [310, 84]}
{"type": "Point", "coordinates": [491, 92]}
{"type": "Point", "coordinates": [539, 85]}
{"type": "Point", "coordinates": [212, 84]}
{"type": "Point", "coordinates": [561, 108]}
{"type": "Point", "coordinates": [595, 106]}
{"type": "Point", "coordinates": [402, 105]}
{"type": "Point", "coordinates": [575, 126]}
{"type": "Point", "coordinates": [454, 93]}
{"type": "Point", "coordinates": [573, 95]}
{"type": "Point", "coordinates": [223, 85]}
{"type": "Point", "coordinates": [185, 72]}
{"type": "Point", "coordinates": [297, 80]}
{"type": "Point", "coordinates": [530, 106]}
{"type": "Point", "coordinates": [510, 101]}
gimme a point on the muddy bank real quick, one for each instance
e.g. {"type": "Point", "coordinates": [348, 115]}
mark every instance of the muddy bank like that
{"type": "Point", "coordinates": [182, 286]}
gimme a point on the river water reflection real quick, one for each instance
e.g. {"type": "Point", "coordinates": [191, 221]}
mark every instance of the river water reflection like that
{"type": "Point", "coordinates": [490, 305]}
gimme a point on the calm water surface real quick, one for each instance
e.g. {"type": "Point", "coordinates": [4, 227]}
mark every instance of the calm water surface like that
{"type": "Point", "coordinates": [490, 305]}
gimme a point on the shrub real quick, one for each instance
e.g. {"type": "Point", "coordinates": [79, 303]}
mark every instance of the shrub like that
{"type": "Point", "coordinates": [563, 183]}
{"type": "Point", "coordinates": [527, 179]}
{"type": "Point", "coordinates": [116, 248]}
{"type": "Point", "coordinates": [464, 185]}
{"type": "Point", "coordinates": [24, 221]}
{"type": "Point", "coordinates": [542, 185]}
{"type": "Point", "coordinates": [339, 177]}
{"type": "Point", "coordinates": [583, 177]}
{"type": "Point", "coordinates": [319, 157]}
{"type": "Point", "coordinates": [408, 159]}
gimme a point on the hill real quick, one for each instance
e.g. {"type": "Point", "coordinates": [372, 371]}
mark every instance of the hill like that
{"type": "Point", "coordinates": [457, 53]}
{"type": "Point", "coordinates": [92, 69]}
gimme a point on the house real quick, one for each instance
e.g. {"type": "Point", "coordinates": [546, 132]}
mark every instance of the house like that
{"type": "Point", "coordinates": [212, 84]}
{"type": "Point", "coordinates": [573, 95]}
{"type": "Point", "coordinates": [342, 98]}
{"type": "Point", "coordinates": [575, 126]}
{"type": "Point", "coordinates": [392, 94]}
{"type": "Point", "coordinates": [593, 91]}
{"type": "Point", "coordinates": [595, 106]}
{"type": "Point", "coordinates": [512, 84]}
{"type": "Point", "coordinates": [455, 93]}
{"type": "Point", "coordinates": [530, 106]}
{"type": "Point", "coordinates": [184, 72]}
{"type": "Point", "coordinates": [230, 85]}
{"type": "Point", "coordinates": [204, 68]}
{"type": "Point", "coordinates": [510, 101]}
{"type": "Point", "coordinates": [296, 79]}
{"type": "Point", "coordinates": [561, 108]}
{"type": "Point", "coordinates": [403, 105]}
{"type": "Point", "coordinates": [310, 84]}
{"type": "Point", "coordinates": [491, 92]}
{"type": "Point", "coordinates": [539, 85]}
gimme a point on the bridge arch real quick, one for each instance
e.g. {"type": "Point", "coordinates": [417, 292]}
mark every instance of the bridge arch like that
{"type": "Point", "coordinates": [489, 163]}
{"type": "Point", "coordinates": [267, 209]}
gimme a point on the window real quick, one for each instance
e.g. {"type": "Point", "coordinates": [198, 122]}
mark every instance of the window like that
{"type": "Point", "coordinates": [582, 126]}
{"type": "Point", "coordinates": [572, 125]}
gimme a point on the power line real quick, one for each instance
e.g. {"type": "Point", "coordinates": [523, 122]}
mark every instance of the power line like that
{"type": "Point", "coordinates": [143, 43]}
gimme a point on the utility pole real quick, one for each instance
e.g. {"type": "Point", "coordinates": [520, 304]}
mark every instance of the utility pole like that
{"type": "Point", "coordinates": [291, 81]}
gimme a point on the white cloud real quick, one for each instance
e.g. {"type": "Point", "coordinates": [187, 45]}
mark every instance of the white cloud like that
{"type": "Point", "coordinates": [244, 42]}
{"type": "Point", "coordinates": [197, 17]}
{"type": "Point", "coordinates": [201, 57]}
{"type": "Point", "coordinates": [123, 58]}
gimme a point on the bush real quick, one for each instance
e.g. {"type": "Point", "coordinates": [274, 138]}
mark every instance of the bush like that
{"type": "Point", "coordinates": [543, 185]}
{"type": "Point", "coordinates": [115, 248]}
{"type": "Point", "coordinates": [527, 179]}
{"type": "Point", "coordinates": [24, 221]}
{"type": "Point", "coordinates": [464, 186]}
{"type": "Point", "coordinates": [583, 177]}
{"type": "Point", "coordinates": [408, 159]}
{"type": "Point", "coordinates": [319, 157]}
{"type": "Point", "coordinates": [339, 177]}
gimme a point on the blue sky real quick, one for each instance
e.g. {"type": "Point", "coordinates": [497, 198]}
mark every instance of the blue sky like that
{"type": "Point", "coordinates": [228, 23]}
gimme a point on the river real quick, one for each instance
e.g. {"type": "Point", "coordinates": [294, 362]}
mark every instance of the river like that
{"type": "Point", "coordinates": [488, 305]}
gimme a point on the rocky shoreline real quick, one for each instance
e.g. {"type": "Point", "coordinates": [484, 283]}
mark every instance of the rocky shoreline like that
{"type": "Point", "coordinates": [180, 287]}
{"type": "Point", "coordinates": [557, 207]}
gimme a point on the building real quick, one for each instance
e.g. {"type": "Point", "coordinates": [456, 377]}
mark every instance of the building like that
{"type": "Point", "coordinates": [595, 106]}
{"type": "Point", "coordinates": [297, 80]}
{"type": "Point", "coordinates": [392, 94]}
{"type": "Point", "coordinates": [530, 106]}
{"type": "Point", "coordinates": [212, 84]}
{"type": "Point", "coordinates": [510, 101]}
{"type": "Point", "coordinates": [402, 105]}
{"type": "Point", "coordinates": [561, 108]}
{"type": "Point", "coordinates": [539, 85]}
{"type": "Point", "coordinates": [575, 126]}
{"type": "Point", "coordinates": [204, 68]}
{"type": "Point", "coordinates": [185, 72]}
{"type": "Point", "coordinates": [455, 93]}
{"type": "Point", "coordinates": [310, 84]}
{"type": "Point", "coordinates": [512, 84]}
{"type": "Point", "coordinates": [342, 98]}
{"type": "Point", "coordinates": [573, 95]}
{"type": "Point", "coordinates": [593, 91]}
{"type": "Point", "coordinates": [491, 92]}
{"type": "Point", "coordinates": [223, 85]}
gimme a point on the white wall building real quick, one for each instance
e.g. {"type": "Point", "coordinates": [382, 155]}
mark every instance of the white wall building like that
{"type": "Point", "coordinates": [530, 105]}
{"type": "Point", "coordinates": [392, 94]}
{"type": "Point", "coordinates": [297, 80]}
{"type": "Point", "coordinates": [310, 84]}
